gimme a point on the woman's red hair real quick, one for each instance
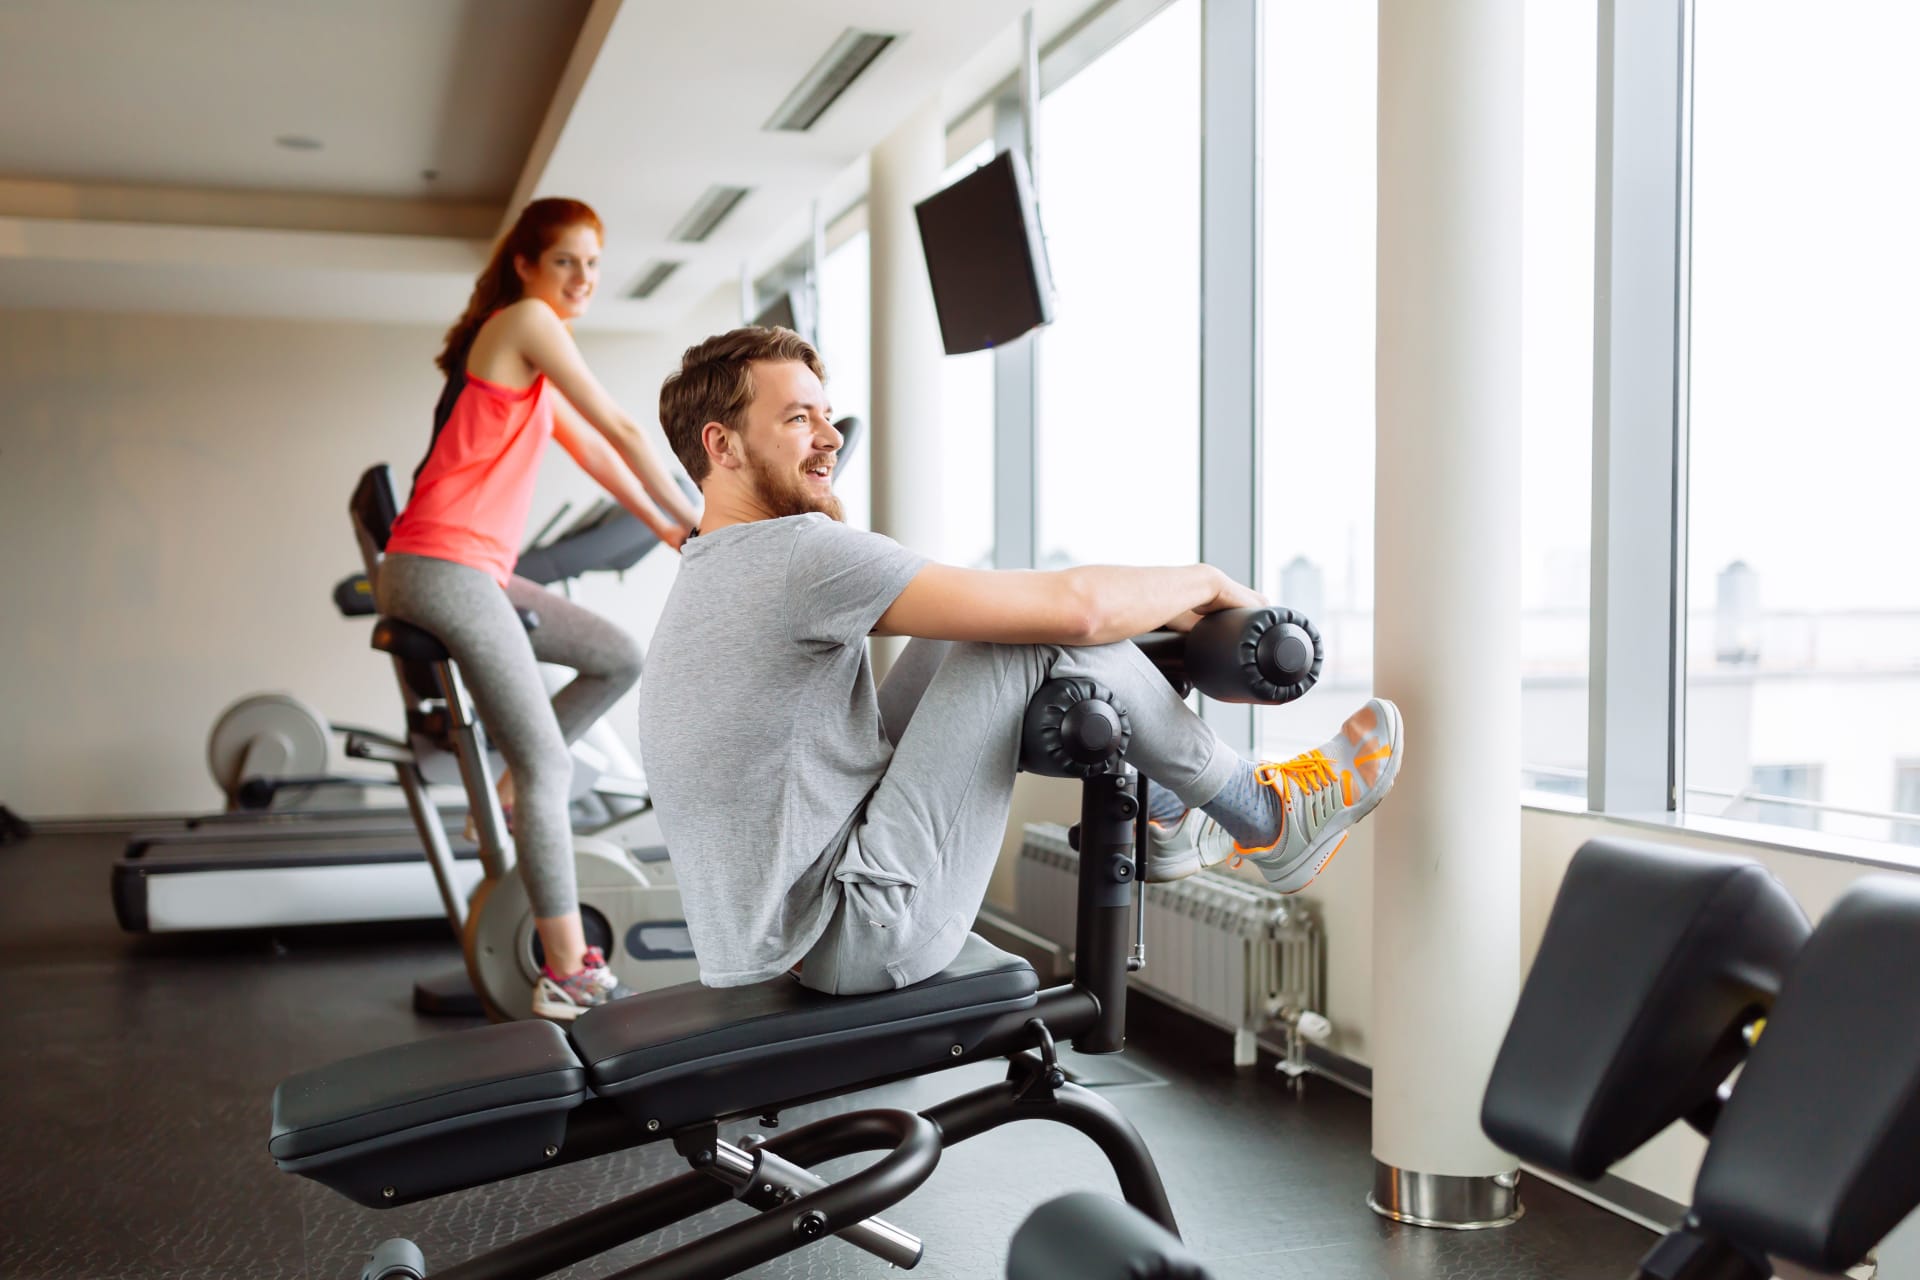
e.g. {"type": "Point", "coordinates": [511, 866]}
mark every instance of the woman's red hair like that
{"type": "Point", "coordinates": [533, 233]}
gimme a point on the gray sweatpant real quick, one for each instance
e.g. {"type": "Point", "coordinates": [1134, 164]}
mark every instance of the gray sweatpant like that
{"type": "Point", "coordinates": [915, 872]}
{"type": "Point", "coordinates": [499, 660]}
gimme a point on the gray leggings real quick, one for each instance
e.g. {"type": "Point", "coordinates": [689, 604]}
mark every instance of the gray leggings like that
{"type": "Point", "coordinates": [499, 660]}
{"type": "Point", "coordinates": [915, 872]}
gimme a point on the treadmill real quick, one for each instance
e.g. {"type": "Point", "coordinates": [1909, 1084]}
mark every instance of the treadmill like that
{"type": "Point", "coordinates": [274, 868]}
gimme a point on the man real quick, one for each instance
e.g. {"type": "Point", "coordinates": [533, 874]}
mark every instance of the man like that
{"type": "Point", "coordinates": [815, 820]}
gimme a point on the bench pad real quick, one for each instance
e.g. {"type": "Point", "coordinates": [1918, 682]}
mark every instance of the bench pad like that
{"type": "Point", "coordinates": [691, 1053]}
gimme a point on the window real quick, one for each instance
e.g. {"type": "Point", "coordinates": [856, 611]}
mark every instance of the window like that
{"type": "Point", "coordinates": [966, 434]}
{"type": "Point", "coordinates": [1803, 635]}
{"type": "Point", "coordinates": [1556, 393]}
{"type": "Point", "coordinates": [1320, 66]}
{"type": "Point", "coordinates": [1119, 368]}
{"type": "Point", "coordinates": [1906, 800]}
{"type": "Point", "coordinates": [966, 429]}
{"type": "Point", "coordinates": [846, 348]}
{"type": "Point", "coordinates": [1774, 783]}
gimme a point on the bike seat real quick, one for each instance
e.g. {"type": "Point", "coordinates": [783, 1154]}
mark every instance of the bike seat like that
{"type": "Point", "coordinates": [409, 643]}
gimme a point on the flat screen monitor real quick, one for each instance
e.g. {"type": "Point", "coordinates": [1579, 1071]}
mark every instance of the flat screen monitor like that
{"type": "Point", "coordinates": [986, 256]}
{"type": "Point", "coordinates": [788, 310]}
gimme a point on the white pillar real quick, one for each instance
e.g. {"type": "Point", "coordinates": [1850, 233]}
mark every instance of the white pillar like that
{"type": "Point", "coordinates": [906, 336]}
{"type": "Point", "coordinates": [1446, 627]}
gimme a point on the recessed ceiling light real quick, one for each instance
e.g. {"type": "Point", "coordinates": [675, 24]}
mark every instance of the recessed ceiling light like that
{"type": "Point", "coordinates": [297, 142]}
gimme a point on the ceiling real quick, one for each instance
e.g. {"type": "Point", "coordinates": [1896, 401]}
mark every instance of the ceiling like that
{"type": "Point", "coordinates": [143, 167]}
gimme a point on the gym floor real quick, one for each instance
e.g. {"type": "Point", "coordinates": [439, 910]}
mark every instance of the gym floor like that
{"type": "Point", "coordinates": [137, 1074]}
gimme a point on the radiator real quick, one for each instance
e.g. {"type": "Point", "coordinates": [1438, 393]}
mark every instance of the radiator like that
{"type": "Point", "coordinates": [1232, 953]}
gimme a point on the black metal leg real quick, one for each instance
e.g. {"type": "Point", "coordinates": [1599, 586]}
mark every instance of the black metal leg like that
{"type": "Point", "coordinates": [985, 1109]}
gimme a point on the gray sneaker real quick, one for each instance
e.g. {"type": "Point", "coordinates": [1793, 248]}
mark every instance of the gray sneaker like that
{"type": "Point", "coordinates": [1323, 793]}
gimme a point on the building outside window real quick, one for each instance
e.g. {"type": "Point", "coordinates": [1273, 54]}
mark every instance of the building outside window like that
{"type": "Point", "coordinates": [1803, 628]}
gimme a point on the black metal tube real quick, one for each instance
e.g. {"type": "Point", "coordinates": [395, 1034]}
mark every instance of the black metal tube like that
{"type": "Point", "coordinates": [842, 1204]}
{"type": "Point", "coordinates": [985, 1109]}
{"type": "Point", "coordinates": [1107, 813]}
{"type": "Point", "coordinates": [1690, 1252]}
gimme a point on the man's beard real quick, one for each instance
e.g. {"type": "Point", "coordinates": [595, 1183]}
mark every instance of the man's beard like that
{"type": "Point", "coordinates": [787, 493]}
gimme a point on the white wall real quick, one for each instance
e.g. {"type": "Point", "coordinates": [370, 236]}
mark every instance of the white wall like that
{"type": "Point", "coordinates": [173, 498]}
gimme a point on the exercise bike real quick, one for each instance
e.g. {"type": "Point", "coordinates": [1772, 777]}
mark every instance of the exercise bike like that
{"type": "Point", "coordinates": [629, 905]}
{"type": "Point", "coordinates": [299, 845]}
{"type": "Point", "coordinates": [424, 1119]}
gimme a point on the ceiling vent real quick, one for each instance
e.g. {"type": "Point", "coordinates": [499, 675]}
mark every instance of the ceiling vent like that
{"type": "Point", "coordinates": [653, 277]}
{"type": "Point", "coordinates": [707, 213]}
{"type": "Point", "coordinates": [850, 55]}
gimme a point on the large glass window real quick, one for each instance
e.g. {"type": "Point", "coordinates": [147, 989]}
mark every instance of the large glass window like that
{"type": "Point", "coordinates": [966, 409]}
{"type": "Point", "coordinates": [1320, 66]}
{"type": "Point", "coordinates": [1119, 368]}
{"type": "Point", "coordinates": [966, 427]}
{"type": "Point", "coordinates": [846, 348]}
{"type": "Point", "coordinates": [1803, 607]}
{"type": "Point", "coordinates": [1906, 800]}
{"type": "Point", "coordinates": [1556, 392]}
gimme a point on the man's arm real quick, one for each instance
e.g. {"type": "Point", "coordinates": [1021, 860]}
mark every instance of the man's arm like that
{"type": "Point", "coordinates": [597, 458]}
{"type": "Point", "coordinates": [1093, 604]}
{"type": "Point", "coordinates": [548, 347]}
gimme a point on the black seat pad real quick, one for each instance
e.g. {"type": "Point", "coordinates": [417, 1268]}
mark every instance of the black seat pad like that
{"type": "Point", "coordinates": [416, 644]}
{"type": "Point", "coordinates": [423, 1082]}
{"type": "Point", "coordinates": [407, 642]}
{"type": "Point", "coordinates": [692, 1052]}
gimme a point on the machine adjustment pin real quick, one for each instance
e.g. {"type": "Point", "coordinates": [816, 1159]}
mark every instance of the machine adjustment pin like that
{"type": "Point", "coordinates": [811, 1224]}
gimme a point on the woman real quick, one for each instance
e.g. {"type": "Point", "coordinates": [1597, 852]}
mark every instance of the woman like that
{"type": "Point", "coordinates": [515, 379]}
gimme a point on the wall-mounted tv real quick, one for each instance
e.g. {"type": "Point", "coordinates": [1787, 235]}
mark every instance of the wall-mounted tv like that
{"type": "Point", "coordinates": [789, 309]}
{"type": "Point", "coordinates": [986, 256]}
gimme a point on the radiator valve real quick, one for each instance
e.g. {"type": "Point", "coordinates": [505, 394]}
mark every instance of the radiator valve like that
{"type": "Point", "coordinates": [1301, 1026]}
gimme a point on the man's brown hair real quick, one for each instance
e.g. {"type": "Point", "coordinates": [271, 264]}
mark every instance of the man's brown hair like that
{"type": "Point", "coordinates": [715, 384]}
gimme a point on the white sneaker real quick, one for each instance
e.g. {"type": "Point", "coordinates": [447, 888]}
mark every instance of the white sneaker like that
{"type": "Point", "coordinates": [564, 999]}
{"type": "Point", "coordinates": [1322, 792]}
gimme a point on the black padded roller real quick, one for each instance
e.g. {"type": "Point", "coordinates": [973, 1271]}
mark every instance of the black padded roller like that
{"type": "Point", "coordinates": [1267, 655]}
{"type": "Point", "coordinates": [1086, 1236]}
{"type": "Point", "coordinates": [1072, 728]}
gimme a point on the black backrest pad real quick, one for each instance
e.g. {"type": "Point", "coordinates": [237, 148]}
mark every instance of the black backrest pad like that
{"type": "Point", "coordinates": [1652, 961]}
{"type": "Point", "coordinates": [420, 1083]}
{"type": "Point", "coordinates": [690, 1053]}
{"type": "Point", "coordinates": [372, 505]}
{"type": "Point", "coordinates": [1817, 1155]}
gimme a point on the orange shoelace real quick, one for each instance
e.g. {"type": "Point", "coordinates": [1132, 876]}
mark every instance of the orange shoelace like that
{"type": "Point", "coordinates": [1310, 770]}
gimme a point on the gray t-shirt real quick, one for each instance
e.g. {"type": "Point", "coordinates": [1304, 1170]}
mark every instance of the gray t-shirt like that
{"type": "Point", "coordinates": [762, 731]}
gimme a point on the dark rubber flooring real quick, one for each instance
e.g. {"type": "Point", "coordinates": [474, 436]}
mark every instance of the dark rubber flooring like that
{"type": "Point", "coordinates": [135, 1076]}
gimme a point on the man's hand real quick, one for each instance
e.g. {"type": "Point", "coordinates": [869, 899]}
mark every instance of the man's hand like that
{"type": "Point", "coordinates": [1232, 595]}
{"type": "Point", "coordinates": [1229, 595]}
